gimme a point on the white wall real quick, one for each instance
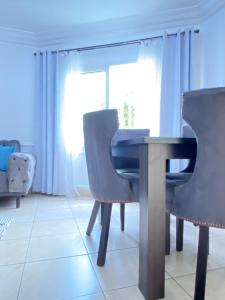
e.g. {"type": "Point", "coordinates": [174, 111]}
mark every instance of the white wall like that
{"type": "Point", "coordinates": [213, 50]}
{"type": "Point", "coordinates": [16, 92]}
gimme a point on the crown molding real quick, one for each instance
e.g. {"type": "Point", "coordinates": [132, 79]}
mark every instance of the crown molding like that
{"type": "Point", "coordinates": [210, 7]}
{"type": "Point", "coordinates": [135, 26]}
{"type": "Point", "coordinates": [116, 29]}
{"type": "Point", "coordinates": [9, 35]}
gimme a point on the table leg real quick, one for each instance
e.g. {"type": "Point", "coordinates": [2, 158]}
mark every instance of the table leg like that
{"type": "Point", "coordinates": [152, 222]}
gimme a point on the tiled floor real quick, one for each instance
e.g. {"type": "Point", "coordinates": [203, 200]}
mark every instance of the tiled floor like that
{"type": "Point", "coordinates": [46, 255]}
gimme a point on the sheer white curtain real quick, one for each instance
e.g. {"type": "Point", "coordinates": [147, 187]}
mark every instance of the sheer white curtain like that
{"type": "Point", "coordinates": [58, 126]}
{"type": "Point", "coordinates": [166, 71]}
{"type": "Point", "coordinates": [149, 84]}
{"type": "Point", "coordinates": [177, 77]}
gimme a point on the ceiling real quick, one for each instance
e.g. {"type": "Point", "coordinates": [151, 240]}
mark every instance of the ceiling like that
{"type": "Point", "coordinates": [46, 15]}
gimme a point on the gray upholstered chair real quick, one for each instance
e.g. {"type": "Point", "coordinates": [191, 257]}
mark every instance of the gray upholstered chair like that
{"type": "Point", "coordinates": [126, 165]}
{"type": "Point", "coordinates": [16, 181]}
{"type": "Point", "coordinates": [106, 185]}
{"type": "Point", "coordinates": [201, 200]}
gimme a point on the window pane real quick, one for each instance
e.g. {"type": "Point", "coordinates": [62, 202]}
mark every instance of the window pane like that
{"type": "Point", "coordinates": [92, 92]}
{"type": "Point", "coordinates": [122, 93]}
{"type": "Point", "coordinates": [133, 90]}
{"type": "Point", "coordinates": [83, 93]}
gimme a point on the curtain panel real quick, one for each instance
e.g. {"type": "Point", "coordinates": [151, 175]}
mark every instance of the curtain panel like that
{"type": "Point", "coordinates": [167, 69]}
{"type": "Point", "coordinates": [56, 164]}
{"type": "Point", "coordinates": [178, 73]}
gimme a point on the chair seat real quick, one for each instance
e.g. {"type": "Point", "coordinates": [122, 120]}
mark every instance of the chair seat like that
{"type": "Point", "coordinates": [129, 173]}
{"type": "Point", "coordinates": [175, 179]}
{"type": "Point", "coordinates": [172, 179]}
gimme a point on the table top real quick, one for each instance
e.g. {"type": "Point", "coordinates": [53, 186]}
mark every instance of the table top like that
{"type": "Point", "coordinates": [156, 140]}
{"type": "Point", "coordinates": [172, 147]}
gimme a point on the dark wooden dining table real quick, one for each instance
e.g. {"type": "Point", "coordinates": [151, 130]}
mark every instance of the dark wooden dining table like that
{"type": "Point", "coordinates": [153, 153]}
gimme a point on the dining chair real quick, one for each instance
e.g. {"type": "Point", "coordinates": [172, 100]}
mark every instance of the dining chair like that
{"type": "Point", "coordinates": [125, 165]}
{"type": "Point", "coordinates": [106, 185]}
{"type": "Point", "coordinates": [201, 200]}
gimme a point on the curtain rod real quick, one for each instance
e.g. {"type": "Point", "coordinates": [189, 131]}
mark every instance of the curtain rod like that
{"type": "Point", "coordinates": [114, 44]}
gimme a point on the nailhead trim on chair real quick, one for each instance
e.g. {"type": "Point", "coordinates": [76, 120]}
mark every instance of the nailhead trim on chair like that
{"type": "Point", "coordinates": [199, 223]}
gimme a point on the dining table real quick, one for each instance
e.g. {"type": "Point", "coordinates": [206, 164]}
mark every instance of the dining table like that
{"type": "Point", "coordinates": [153, 154]}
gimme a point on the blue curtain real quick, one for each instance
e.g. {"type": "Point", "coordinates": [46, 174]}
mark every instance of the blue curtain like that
{"type": "Point", "coordinates": [56, 165]}
{"type": "Point", "coordinates": [177, 77]}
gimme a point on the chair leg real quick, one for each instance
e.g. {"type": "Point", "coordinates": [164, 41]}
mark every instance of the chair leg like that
{"type": "Point", "coordinates": [122, 215]}
{"type": "Point", "coordinates": [93, 217]}
{"type": "Point", "coordinates": [179, 234]}
{"type": "Point", "coordinates": [107, 209]}
{"type": "Point", "coordinates": [17, 202]}
{"type": "Point", "coordinates": [167, 233]}
{"type": "Point", "coordinates": [200, 279]}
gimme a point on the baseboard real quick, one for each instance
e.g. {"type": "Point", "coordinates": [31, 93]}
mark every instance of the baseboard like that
{"type": "Point", "coordinates": [84, 192]}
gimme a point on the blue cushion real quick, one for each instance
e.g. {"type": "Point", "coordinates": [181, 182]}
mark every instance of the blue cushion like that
{"type": "Point", "coordinates": [5, 152]}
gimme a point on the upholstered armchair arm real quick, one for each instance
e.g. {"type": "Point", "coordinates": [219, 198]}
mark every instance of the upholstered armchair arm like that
{"type": "Point", "coordinates": [125, 134]}
{"type": "Point", "coordinates": [21, 167]}
{"type": "Point", "coordinates": [189, 133]}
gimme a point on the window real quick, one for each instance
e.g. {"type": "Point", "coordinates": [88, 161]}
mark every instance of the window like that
{"type": "Point", "coordinates": [83, 93]}
{"type": "Point", "coordinates": [123, 93]}
{"type": "Point", "coordinates": [131, 87]}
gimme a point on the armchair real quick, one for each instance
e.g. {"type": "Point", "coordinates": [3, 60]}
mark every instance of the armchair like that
{"type": "Point", "coordinates": [201, 200]}
{"type": "Point", "coordinates": [106, 185]}
{"type": "Point", "coordinates": [17, 179]}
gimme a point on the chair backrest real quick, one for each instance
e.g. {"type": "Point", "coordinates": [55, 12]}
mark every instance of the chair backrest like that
{"type": "Point", "coordinates": [125, 134]}
{"type": "Point", "coordinates": [105, 184]}
{"type": "Point", "coordinates": [203, 197]}
{"type": "Point", "coordinates": [14, 143]}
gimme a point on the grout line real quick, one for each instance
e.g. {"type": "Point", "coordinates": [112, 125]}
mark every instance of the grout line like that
{"type": "Point", "coordinates": [26, 253]}
{"type": "Point", "coordinates": [95, 272]}
{"type": "Point", "coordinates": [89, 257]}
{"type": "Point", "coordinates": [186, 292]}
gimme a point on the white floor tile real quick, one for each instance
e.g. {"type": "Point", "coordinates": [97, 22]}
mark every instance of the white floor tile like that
{"type": "Point", "coordinates": [53, 214]}
{"type": "Point", "coordinates": [10, 277]}
{"type": "Point", "coordinates": [19, 214]}
{"type": "Point", "coordinates": [52, 203]}
{"type": "Point", "coordinates": [215, 288]}
{"type": "Point", "coordinates": [58, 279]}
{"type": "Point", "coordinates": [59, 269]}
{"type": "Point", "coordinates": [131, 293]}
{"type": "Point", "coordinates": [54, 227]}
{"type": "Point", "coordinates": [172, 291]}
{"type": "Point", "coordinates": [13, 251]}
{"type": "Point", "coordinates": [49, 247]}
{"type": "Point", "coordinates": [18, 230]}
{"type": "Point", "coordinates": [181, 263]}
{"type": "Point", "coordinates": [120, 269]}
{"type": "Point", "coordinates": [98, 296]}
{"type": "Point", "coordinates": [117, 240]}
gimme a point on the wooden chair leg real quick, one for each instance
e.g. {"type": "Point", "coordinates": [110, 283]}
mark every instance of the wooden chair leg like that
{"type": "Point", "coordinates": [203, 249]}
{"type": "Point", "coordinates": [107, 209]}
{"type": "Point", "coordinates": [179, 234]}
{"type": "Point", "coordinates": [17, 202]}
{"type": "Point", "coordinates": [101, 212]}
{"type": "Point", "coordinates": [167, 234]}
{"type": "Point", "coordinates": [122, 215]}
{"type": "Point", "coordinates": [93, 217]}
